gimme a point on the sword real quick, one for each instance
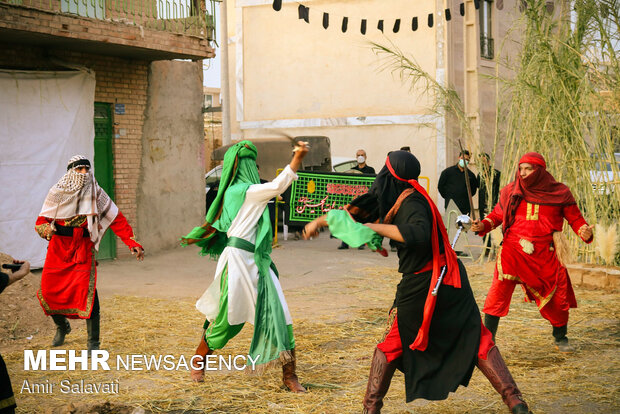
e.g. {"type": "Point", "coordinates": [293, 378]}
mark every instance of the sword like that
{"type": "Point", "coordinates": [462, 223]}
{"type": "Point", "coordinates": [292, 139]}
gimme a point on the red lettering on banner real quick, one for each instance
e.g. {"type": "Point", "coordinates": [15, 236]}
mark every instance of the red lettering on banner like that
{"type": "Point", "coordinates": [347, 189]}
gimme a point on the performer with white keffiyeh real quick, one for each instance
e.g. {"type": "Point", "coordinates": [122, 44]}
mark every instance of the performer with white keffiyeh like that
{"type": "Point", "coordinates": [75, 215]}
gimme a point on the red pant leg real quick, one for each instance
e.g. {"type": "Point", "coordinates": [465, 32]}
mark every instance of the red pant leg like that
{"type": "Point", "coordinates": [498, 299]}
{"type": "Point", "coordinates": [391, 345]}
{"type": "Point", "coordinates": [556, 310]}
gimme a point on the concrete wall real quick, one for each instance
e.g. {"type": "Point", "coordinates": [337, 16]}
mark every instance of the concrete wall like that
{"type": "Point", "coordinates": [171, 191]}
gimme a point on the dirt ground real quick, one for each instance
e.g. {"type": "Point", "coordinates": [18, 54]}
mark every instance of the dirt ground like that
{"type": "Point", "coordinates": [338, 300]}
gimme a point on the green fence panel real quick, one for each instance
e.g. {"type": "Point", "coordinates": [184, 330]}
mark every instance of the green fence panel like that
{"type": "Point", "coordinates": [315, 193]}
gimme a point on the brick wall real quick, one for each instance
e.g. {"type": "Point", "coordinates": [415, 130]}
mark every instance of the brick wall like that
{"type": "Point", "coordinates": [117, 81]}
{"type": "Point", "coordinates": [158, 43]}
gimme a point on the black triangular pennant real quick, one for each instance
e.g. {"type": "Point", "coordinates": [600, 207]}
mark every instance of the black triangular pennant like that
{"type": "Point", "coordinates": [363, 27]}
{"type": "Point", "coordinates": [448, 15]}
{"type": "Point", "coordinates": [345, 23]}
{"type": "Point", "coordinates": [462, 9]}
{"type": "Point", "coordinates": [277, 5]}
{"type": "Point", "coordinates": [325, 20]}
{"type": "Point", "coordinates": [396, 26]}
{"type": "Point", "coordinates": [430, 20]}
{"type": "Point", "coordinates": [414, 24]}
{"type": "Point", "coordinates": [304, 13]}
{"type": "Point", "coordinates": [380, 25]}
{"type": "Point", "coordinates": [477, 4]}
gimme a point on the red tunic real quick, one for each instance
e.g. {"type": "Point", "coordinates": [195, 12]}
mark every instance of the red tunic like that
{"type": "Point", "coordinates": [69, 274]}
{"type": "Point", "coordinates": [543, 278]}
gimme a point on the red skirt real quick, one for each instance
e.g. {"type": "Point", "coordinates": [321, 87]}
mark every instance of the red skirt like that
{"type": "Point", "coordinates": [69, 277]}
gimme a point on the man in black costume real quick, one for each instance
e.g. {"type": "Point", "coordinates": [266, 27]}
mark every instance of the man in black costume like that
{"type": "Point", "coordinates": [436, 341]}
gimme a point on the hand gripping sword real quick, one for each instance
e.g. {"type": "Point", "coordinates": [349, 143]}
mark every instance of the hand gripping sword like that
{"type": "Point", "coordinates": [463, 222]}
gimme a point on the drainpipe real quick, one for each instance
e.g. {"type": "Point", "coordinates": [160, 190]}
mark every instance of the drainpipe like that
{"type": "Point", "coordinates": [225, 77]}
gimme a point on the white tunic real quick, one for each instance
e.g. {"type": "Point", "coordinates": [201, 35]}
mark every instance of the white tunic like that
{"type": "Point", "coordinates": [242, 270]}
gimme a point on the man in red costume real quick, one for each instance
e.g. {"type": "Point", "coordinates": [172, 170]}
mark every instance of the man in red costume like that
{"type": "Point", "coordinates": [75, 215]}
{"type": "Point", "coordinates": [532, 210]}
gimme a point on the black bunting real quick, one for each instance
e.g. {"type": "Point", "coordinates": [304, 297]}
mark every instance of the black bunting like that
{"type": "Point", "coordinates": [477, 4]}
{"type": "Point", "coordinates": [363, 27]}
{"type": "Point", "coordinates": [304, 13]}
{"type": "Point", "coordinates": [396, 26]}
{"type": "Point", "coordinates": [345, 23]}
{"type": "Point", "coordinates": [430, 20]}
{"type": "Point", "coordinates": [414, 24]}
{"type": "Point", "coordinates": [462, 9]}
{"type": "Point", "coordinates": [277, 5]}
{"type": "Point", "coordinates": [448, 15]}
{"type": "Point", "coordinates": [325, 20]}
{"type": "Point", "coordinates": [380, 25]}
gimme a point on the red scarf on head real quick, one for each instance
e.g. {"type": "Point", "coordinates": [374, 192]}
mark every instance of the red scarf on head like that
{"type": "Point", "coordinates": [452, 276]}
{"type": "Point", "coordinates": [537, 188]}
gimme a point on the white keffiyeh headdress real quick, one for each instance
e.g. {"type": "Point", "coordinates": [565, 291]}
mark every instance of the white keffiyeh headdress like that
{"type": "Point", "coordinates": [78, 194]}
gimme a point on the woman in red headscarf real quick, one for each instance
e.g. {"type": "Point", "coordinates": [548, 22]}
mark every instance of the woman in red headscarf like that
{"type": "Point", "coordinates": [436, 340]}
{"type": "Point", "coordinates": [532, 210]}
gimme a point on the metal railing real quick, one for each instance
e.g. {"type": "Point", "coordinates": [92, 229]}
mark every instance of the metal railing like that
{"type": "Point", "coordinates": [189, 17]}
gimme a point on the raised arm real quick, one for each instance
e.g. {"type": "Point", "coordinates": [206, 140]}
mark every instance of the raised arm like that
{"type": "Point", "coordinates": [268, 190]}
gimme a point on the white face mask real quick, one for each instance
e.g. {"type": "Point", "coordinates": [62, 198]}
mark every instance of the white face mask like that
{"type": "Point", "coordinates": [361, 159]}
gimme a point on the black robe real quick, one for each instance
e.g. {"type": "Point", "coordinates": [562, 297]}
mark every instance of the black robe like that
{"type": "Point", "coordinates": [454, 334]}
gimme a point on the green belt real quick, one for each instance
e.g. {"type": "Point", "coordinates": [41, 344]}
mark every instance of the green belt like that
{"type": "Point", "coordinates": [240, 244]}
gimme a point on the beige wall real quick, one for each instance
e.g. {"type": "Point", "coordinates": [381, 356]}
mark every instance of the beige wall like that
{"type": "Point", "coordinates": [287, 73]}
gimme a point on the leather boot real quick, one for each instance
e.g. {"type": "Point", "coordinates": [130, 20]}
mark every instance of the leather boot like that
{"type": "Point", "coordinates": [381, 373]}
{"type": "Point", "coordinates": [199, 360]}
{"type": "Point", "coordinates": [92, 328]}
{"type": "Point", "coordinates": [496, 371]}
{"type": "Point", "coordinates": [561, 341]}
{"type": "Point", "coordinates": [63, 327]}
{"type": "Point", "coordinates": [289, 377]}
{"type": "Point", "coordinates": [491, 322]}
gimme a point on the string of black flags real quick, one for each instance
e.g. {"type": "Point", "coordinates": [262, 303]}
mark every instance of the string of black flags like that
{"type": "Point", "coordinates": [304, 14]}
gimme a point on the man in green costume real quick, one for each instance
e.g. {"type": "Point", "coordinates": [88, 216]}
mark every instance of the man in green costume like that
{"type": "Point", "coordinates": [246, 288]}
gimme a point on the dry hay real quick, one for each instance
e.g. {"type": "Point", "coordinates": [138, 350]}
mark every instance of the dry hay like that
{"type": "Point", "coordinates": [335, 340]}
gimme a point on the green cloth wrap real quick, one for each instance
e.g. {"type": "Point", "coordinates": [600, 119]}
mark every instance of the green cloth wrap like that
{"type": "Point", "coordinates": [343, 227]}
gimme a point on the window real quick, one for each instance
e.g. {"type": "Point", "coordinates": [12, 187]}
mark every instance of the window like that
{"type": "Point", "coordinates": [486, 39]}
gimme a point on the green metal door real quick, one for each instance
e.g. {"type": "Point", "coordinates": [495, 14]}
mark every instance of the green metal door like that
{"type": "Point", "coordinates": [104, 168]}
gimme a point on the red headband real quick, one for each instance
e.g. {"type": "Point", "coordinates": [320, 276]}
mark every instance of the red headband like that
{"type": "Point", "coordinates": [534, 158]}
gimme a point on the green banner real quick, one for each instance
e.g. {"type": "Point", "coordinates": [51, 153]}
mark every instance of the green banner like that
{"type": "Point", "coordinates": [315, 193]}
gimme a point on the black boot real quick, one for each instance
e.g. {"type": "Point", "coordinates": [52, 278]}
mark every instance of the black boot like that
{"type": "Point", "coordinates": [561, 341]}
{"type": "Point", "coordinates": [62, 328]}
{"type": "Point", "coordinates": [381, 373]}
{"type": "Point", "coordinates": [496, 371]}
{"type": "Point", "coordinates": [92, 327]}
{"type": "Point", "coordinates": [491, 322]}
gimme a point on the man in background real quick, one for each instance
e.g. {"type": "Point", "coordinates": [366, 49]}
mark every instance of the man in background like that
{"type": "Point", "coordinates": [452, 185]}
{"type": "Point", "coordinates": [361, 166]}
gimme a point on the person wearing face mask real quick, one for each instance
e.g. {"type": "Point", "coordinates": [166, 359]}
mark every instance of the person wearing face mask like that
{"type": "Point", "coordinates": [364, 169]}
{"type": "Point", "coordinates": [361, 166]}
{"type": "Point", "coordinates": [452, 185]}
{"type": "Point", "coordinates": [75, 215]}
{"type": "Point", "coordinates": [532, 210]}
